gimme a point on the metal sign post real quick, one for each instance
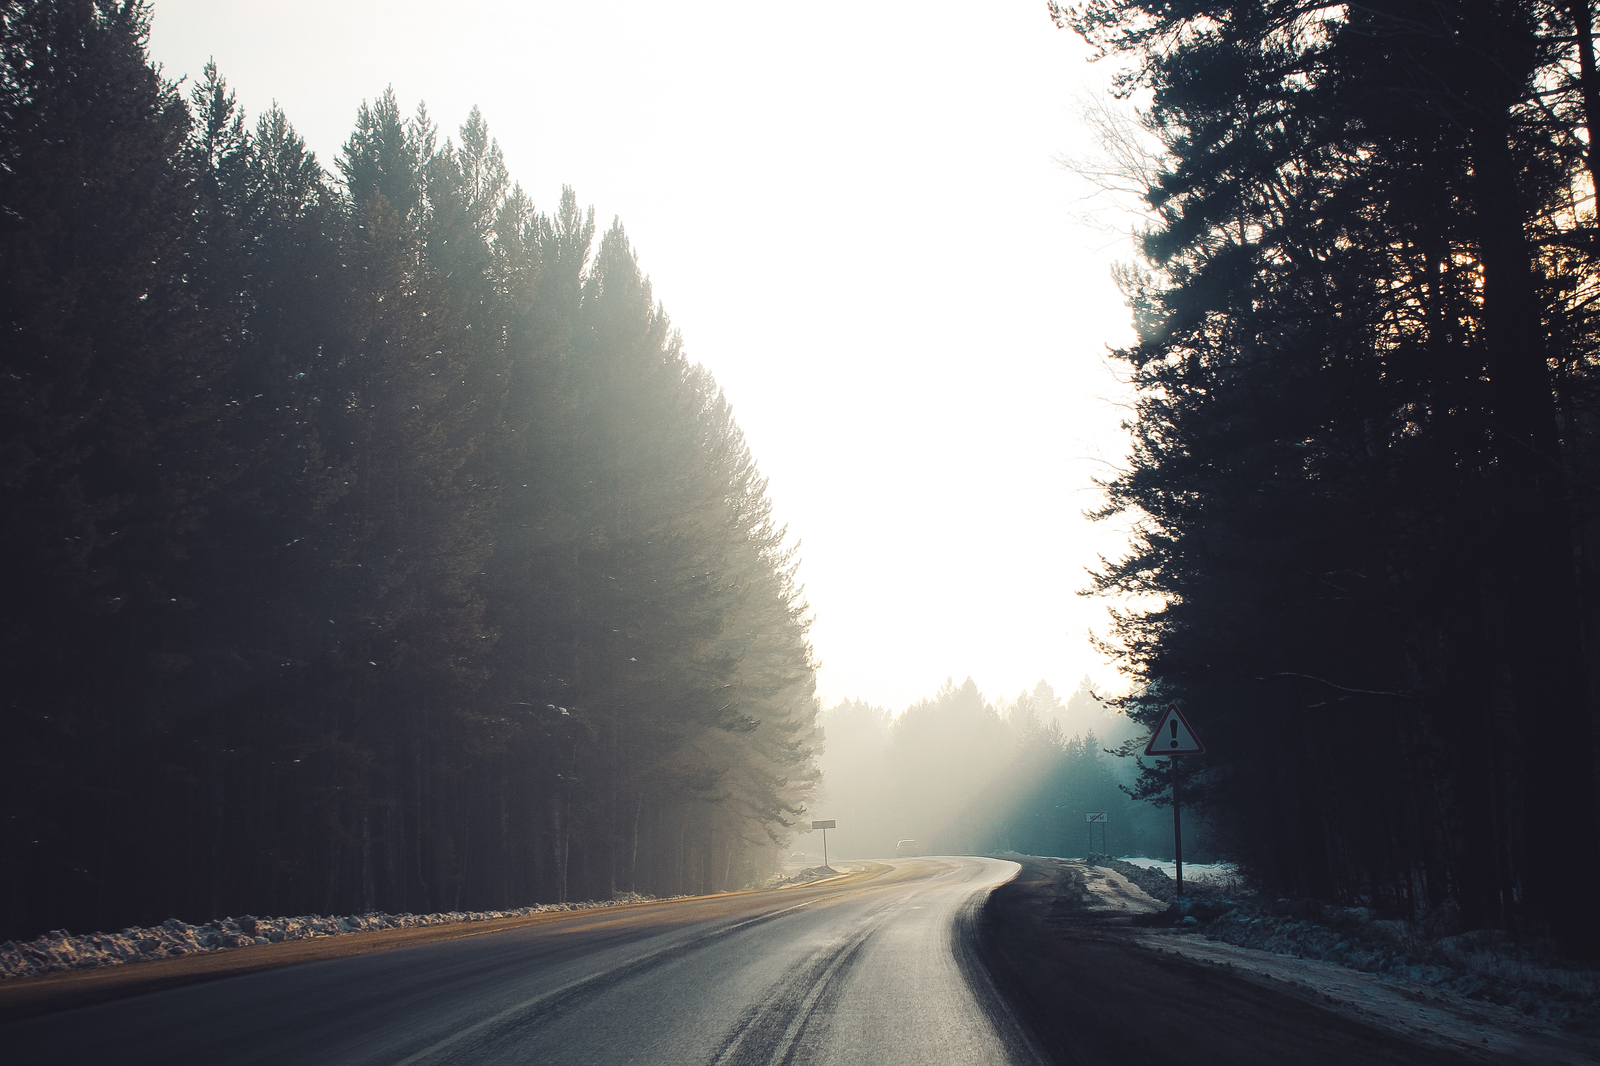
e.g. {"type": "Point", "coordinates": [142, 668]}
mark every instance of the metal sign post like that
{"type": "Point", "coordinates": [1173, 736]}
{"type": "Point", "coordinates": [1177, 827]}
{"type": "Point", "coordinates": [1097, 816]}
{"type": "Point", "coordinates": [825, 826]}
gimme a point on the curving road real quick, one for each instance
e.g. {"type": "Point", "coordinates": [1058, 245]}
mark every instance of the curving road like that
{"type": "Point", "coordinates": [878, 971]}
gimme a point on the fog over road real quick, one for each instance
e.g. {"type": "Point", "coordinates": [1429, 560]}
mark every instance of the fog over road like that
{"type": "Point", "coordinates": [880, 970]}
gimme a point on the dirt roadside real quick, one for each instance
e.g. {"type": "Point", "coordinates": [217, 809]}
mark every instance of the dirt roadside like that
{"type": "Point", "coordinates": [27, 997]}
{"type": "Point", "coordinates": [1099, 991]}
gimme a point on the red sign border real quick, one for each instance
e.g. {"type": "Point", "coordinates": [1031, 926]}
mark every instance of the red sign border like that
{"type": "Point", "coordinates": [1173, 709]}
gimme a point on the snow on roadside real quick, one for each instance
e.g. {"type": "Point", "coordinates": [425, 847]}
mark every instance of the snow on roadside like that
{"type": "Point", "coordinates": [1430, 1015]}
{"type": "Point", "coordinates": [806, 877]}
{"type": "Point", "coordinates": [1116, 892]}
{"type": "Point", "coordinates": [1478, 989]}
{"type": "Point", "coordinates": [1484, 966]}
{"type": "Point", "coordinates": [59, 950]}
{"type": "Point", "coordinates": [1223, 875]}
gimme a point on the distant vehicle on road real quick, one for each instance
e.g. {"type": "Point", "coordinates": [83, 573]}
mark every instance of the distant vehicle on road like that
{"type": "Point", "coordinates": [906, 849]}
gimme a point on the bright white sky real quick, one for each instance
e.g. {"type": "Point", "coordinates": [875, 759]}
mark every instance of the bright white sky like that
{"type": "Point", "coordinates": [851, 209]}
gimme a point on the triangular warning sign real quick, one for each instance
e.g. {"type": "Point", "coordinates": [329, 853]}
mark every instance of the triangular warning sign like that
{"type": "Point", "coordinates": [1174, 736]}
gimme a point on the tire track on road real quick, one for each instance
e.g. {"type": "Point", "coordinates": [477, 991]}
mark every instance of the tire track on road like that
{"type": "Point", "coordinates": [481, 1039]}
{"type": "Point", "coordinates": [769, 1033]}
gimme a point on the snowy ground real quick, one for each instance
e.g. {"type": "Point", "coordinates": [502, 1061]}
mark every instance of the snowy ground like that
{"type": "Point", "coordinates": [1221, 874]}
{"type": "Point", "coordinates": [1468, 990]}
{"type": "Point", "coordinates": [59, 950]}
{"type": "Point", "coordinates": [1425, 1014]}
{"type": "Point", "coordinates": [806, 876]}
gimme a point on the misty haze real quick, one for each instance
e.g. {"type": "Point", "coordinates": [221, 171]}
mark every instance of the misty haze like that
{"type": "Point", "coordinates": [738, 535]}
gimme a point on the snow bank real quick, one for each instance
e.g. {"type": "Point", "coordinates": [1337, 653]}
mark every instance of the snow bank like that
{"type": "Point", "coordinates": [805, 877]}
{"type": "Point", "coordinates": [1150, 880]}
{"type": "Point", "coordinates": [1223, 875]}
{"type": "Point", "coordinates": [59, 950]}
{"type": "Point", "coordinates": [1485, 964]}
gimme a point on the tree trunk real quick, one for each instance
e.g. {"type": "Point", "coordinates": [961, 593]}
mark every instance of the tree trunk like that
{"type": "Point", "coordinates": [1588, 84]}
{"type": "Point", "coordinates": [1535, 593]}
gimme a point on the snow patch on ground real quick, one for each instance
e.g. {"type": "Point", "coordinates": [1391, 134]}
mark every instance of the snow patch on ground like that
{"type": "Point", "coordinates": [1105, 887]}
{"type": "Point", "coordinates": [59, 950]}
{"type": "Point", "coordinates": [806, 877]}
{"type": "Point", "coordinates": [1481, 989]}
{"type": "Point", "coordinates": [1115, 892]}
{"type": "Point", "coordinates": [1425, 1014]}
{"type": "Point", "coordinates": [1485, 966]}
{"type": "Point", "coordinates": [1223, 875]}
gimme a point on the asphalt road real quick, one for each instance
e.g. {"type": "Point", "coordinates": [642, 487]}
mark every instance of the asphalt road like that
{"type": "Point", "coordinates": [880, 971]}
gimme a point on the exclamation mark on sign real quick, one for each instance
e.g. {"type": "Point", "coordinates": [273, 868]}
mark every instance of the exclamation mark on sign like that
{"type": "Point", "coordinates": [1174, 724]}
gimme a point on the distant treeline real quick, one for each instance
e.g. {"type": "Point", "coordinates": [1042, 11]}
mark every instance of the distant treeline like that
{"type": "Point", "coordinates": [961, 775]}
{"type": "Point", "coordinates": [370, 542]}
{"type": "Point", "coordinates": [1366, 462]}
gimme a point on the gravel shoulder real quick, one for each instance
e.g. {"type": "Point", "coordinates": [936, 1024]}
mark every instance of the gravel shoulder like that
{"type": "Point", "coordinates": [1427, 1017]}
{"type": "Point", "coordinates": [27, 997]}
{"type": "Point", "coordinates": [1072, 946]}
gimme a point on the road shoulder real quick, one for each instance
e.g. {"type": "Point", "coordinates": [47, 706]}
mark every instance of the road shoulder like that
{"type": "Point", "coordinates": [28, 997]}
{"type": "Point", "coordinates": [1424, 1016]}
{"type": "Point", "coordinates": [1096, 990]}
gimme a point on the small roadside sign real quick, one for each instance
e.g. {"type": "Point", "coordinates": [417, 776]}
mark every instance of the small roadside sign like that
{"type": "Point", "coordinates": [1096, 818]}
{"type": "Point", "coordinates": [1174, 736]}
{"type": "Point", "coordinates": [825, 825]}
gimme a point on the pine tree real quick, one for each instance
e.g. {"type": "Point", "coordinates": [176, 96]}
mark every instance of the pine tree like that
{"type": "Point", "coordinates": [112, 452]}
{"type": "Point", "coordinates": [1349, 452]}
{"type": "Point", "coordinates": [378, 548]}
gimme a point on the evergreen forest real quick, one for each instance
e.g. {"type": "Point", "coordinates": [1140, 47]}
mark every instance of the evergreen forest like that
{"type": "Point", "coordinates": [1365, 471]}
{"type": "Point", "coordinates": [371, 542]}
{"type": "Point", "coordinates": [963, 775]}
